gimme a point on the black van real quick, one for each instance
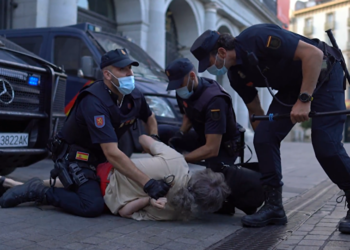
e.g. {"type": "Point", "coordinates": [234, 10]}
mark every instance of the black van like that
{"type": "Point", "coordinates": [32, 95]}
{"type": "Point", "coordinates": [78, 50]}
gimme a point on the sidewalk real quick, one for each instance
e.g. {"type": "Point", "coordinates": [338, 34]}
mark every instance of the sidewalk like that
{"type": "Point", "coordinates": [320, 231]}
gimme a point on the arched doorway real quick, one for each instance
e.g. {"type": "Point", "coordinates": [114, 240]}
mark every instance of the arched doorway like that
{"type": "Point", "coordinates": [172, 45]}
{"type": "Point", "coordinates": [100, 13]}
{"type": "Point", "coordinates": [181, 30]}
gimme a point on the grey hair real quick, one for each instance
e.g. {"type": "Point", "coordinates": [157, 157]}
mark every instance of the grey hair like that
{"type": "Point", "coordinates": [205, 193]}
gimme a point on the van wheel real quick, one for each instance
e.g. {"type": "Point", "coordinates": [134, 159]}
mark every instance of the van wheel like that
{"type": "Point", "coordinates": [126, 144]}
{"type": "Point", "coordinates": [6, 171]}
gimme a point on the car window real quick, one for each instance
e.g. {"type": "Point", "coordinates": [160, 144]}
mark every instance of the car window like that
{"type": "Point", "coordinates": [18, 58]}
{"type": "Point", "coordinates": [147, 69]}
{"type": "Point", "coordinates": [68, 52]}
{"type": "Point", "coordinates": [33, 44]}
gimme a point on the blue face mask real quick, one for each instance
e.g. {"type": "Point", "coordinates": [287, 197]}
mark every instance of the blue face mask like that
{"type": "Point", "coordinates": [215, 71]}
{"type": "Point", "coordinates": [126, 84]}
{"type": "Point", "coordinates": [183, 92]}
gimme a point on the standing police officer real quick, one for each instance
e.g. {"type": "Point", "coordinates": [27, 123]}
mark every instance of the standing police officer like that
{"type": "Point", "coordinates": [266, 55]}
{"type": "Point", "coordinates": [102, 112]}
{"type": "Point", "coordinates": [207, 107]}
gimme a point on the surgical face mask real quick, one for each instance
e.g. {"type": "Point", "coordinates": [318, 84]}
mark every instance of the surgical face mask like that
{"type": "Point", "coordinates": [126, 84]}
{"type": "Point", "coordinates": [183, 92]}
{"type": "Point", "coordinates": [215, 71]}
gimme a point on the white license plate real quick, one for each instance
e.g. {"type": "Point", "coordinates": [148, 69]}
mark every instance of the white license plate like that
{"type": "Point", "coordinates": [13, 140]}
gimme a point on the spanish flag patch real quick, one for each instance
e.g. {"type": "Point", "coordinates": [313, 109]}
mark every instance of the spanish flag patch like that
{"type": "Point", "coordinates": [82, 156]}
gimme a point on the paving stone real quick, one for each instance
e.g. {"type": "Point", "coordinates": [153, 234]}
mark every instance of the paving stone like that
{"type": "Point", "coordinates": [316, 237]}
{"type": "Point", "coordinates": [295, 237]}
{"type": "Point", "coordinates": [18, 243]}
{"type": "Point", "coordinates": [306, 228]}
{"type": "Point", "coordinates": [291, 242]}
{"type": "Point", "coordinates": [109, 235]}
{"type": "Point", "coordinates": [332, 245]}
{"type": "Point", "coordinates": [321, 232]}
{"type": "Point", "coordinates": [93, 240]}
{"type": "Point", "coordinates": [77, 246]}
{"type": "Point", "coordinates": [187, 240]}
{"type": "Point", "coordinates": [300, 233]}
{"type": "Point", "coordinates": [341, 237]}
{"type": "Point", "coordinates": [52, 243]}
{"type": "Point", "coordinates": [330, 224]}
{"type": "Point", "coordinates": [306, 248]}
{"type": "Point", "coordinates": [311, 242]}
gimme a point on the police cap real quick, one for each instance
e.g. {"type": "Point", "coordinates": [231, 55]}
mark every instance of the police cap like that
{"type": "Point", "coordinates": [118, 58]}
{"type": "Point", "coordinates": [202, 47]}
{"type": "Point", "coordinates": [176, 72]}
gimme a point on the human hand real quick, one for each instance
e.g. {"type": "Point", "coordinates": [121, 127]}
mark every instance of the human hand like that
{"type": "Point", "coordinates": [300, 112]}
{"type": "Point", "coordinates": [156, 189]}
{"type": "Point", "coordinates": [159, 203]}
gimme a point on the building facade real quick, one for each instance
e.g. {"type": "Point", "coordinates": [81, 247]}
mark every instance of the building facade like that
{"type": "Point", "coordinates": [313, 18]}
{"type": "Point", "coordinates": [165, 29]}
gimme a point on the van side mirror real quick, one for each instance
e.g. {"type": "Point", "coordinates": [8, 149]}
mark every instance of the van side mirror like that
{"type": "Point", "coordinates": [87, 66]}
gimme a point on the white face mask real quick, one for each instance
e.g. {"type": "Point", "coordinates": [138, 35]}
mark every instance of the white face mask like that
{"type": "Point", "coordinates": [126, 84]}
{"type": "Point", "coordinates": [215, 71]}
{"type": "Point", "coordinates": [183, 92]}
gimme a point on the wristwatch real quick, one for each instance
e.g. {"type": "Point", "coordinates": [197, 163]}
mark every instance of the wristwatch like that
{"type": "Point", "coordinates": [305, 97]}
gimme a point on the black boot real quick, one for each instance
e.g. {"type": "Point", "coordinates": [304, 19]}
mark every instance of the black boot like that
{"type": "Point", "coordinates": [344, 224]}
{"type": "Point", "coordinates": [31, 190]}
{"type": "Point", "coordinates": [271, 213]}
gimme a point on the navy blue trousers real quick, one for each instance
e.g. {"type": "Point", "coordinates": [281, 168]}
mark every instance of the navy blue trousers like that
{"type": "Point", "coordinates": [86, 200]}
{"type": "Point", "coordinates": [190, 142]}
{"type": "Point", "coordinates": [326, 134]}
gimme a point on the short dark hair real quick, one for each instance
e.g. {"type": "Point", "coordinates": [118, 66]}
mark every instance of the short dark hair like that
{"type": "Point", "coordinates": [226, 41]}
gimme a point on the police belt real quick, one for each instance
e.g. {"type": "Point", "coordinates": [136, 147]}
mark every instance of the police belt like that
{"type": "Point", "coordinates": [72, 153]}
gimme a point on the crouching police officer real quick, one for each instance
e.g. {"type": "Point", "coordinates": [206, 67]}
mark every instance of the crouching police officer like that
{"type": "Point", "coordinates": [207, 107]}
{"type": "Point", "coordinates": [308, 76]}
{"type": "Point", "coordinates": [102, 112]}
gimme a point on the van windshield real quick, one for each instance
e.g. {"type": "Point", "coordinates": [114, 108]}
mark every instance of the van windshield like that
{"type": "Point", "coordinates": [148, 67]}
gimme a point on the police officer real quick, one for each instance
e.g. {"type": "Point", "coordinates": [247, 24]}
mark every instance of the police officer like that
{"type": "Point", "coordinates": [308, 76]}
{"type": "Point", "coordinates": [209, 132]}
{"type": "Point", "coordinates": [102, 112]}
{"type": "Point", "coordinates": [207, 108]}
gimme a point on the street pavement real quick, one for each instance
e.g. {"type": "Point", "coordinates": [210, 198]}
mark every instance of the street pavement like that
{"type": "Point", "coordinates": [45, 227]}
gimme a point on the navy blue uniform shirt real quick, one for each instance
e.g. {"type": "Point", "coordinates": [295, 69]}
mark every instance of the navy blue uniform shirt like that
{"type": "Point", "coordinates": [275, 48]}
{"type": "Point", "coordinates": [91, 135]}
{"type": "Point", "coordinates": [211, 126]}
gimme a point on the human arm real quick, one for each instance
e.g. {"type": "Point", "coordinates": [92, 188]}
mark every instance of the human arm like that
{"type": "Point", "coordinates": [210, 149]}
{"type": "Point", "coordinates": [186, 124]}
{"type": "Point", "coordinates": [146, 142]}
{"type": "Point", "coordinates": [148, 118]}
{"type": "Point", "coordinates": [138, 204]}
{"type": "Point", "coordinates": [214, 127]}
{"type": "Point", "coordinates": [254, 107]}
{"type": "Point", "coordinates": [311, 60]}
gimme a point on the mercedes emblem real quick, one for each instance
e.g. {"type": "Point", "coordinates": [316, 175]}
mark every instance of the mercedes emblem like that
{"type": "Point", "coordinates": [7, 93]}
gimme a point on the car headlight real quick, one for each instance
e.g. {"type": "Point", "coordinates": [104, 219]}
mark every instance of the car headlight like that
{"type": "Point", "coordinates": [159, 106]}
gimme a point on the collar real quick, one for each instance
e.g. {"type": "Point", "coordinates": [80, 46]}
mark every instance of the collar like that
{"type": "Point", "coordinates": [197, 92]}
{"type": "Point", "coordinates": [238, 55]}
{"type": "Point", "coordinates": [114, 96]}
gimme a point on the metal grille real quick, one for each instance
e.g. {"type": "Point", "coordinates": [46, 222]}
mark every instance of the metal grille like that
{"type": "Point", "coordinates": [58, 105]}
{"type": "Point", "coordinates": [26, 97]}
{"type": "Point", "coordinates": [258, 238]}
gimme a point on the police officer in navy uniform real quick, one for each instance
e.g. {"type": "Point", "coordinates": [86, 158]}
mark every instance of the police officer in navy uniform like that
{"type": "Point", "coordinates": [209, 132]}
{"type": "Point", "coordinates": [308, 76]}
{"type": "Point", "coordinates": [207, 108]}
{"type": "Point", "coordinates": [102, 112]}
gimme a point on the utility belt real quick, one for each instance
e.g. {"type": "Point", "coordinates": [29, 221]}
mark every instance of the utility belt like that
{"type": "Point", "coordinates": [233, 147]}
{"type": "Point", "coordinates": [69, 160]}
{"type": "Point", "coordinates": [331, 56]}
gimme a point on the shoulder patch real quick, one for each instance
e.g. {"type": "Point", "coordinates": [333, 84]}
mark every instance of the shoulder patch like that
{"type": "Point", "coordinates": [273, 42]}
{"type": "Point", "coordinates": [99, 121]}
{"type": "Point", "coordinates": [215, 114]}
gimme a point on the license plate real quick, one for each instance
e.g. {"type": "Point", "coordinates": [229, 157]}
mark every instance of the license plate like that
{"type": "Point", "coordinates": [13, 140]}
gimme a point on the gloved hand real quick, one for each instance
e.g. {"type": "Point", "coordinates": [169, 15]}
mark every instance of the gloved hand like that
{"type": "Point", "coordinates": [176, 139]}
{"type": "Point", "coordinates": [156, 189]}
{"type": "Point", "coordinates": [155, 137]}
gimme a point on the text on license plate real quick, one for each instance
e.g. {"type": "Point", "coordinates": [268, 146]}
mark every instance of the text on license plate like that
{"type": "Point", "coordinates": [13, 140]}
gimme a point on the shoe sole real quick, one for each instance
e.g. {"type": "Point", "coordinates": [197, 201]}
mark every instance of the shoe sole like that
{"type": "Point", "coordinates": [344, 230]}
{"type": "Point", "coordinates": [274, 221]}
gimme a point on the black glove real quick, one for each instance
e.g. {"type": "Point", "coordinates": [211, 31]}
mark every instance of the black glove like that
{"type": "Point", "coordinates": [156, 189]}
{"type": "Point", "coordinates": [175, 142]}
{"type": "Point", "coordinates": [155, 137]}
